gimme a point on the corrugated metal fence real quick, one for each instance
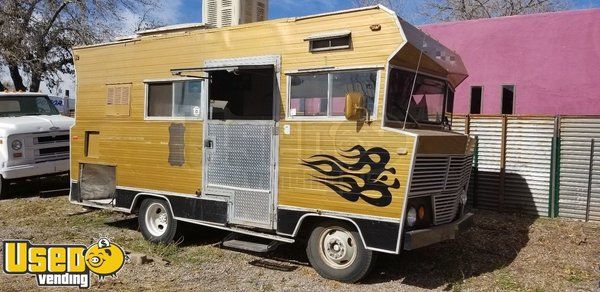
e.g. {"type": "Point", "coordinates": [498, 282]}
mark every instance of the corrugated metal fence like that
{"type": "Point", "coordinates": [538, 165]}
{"type": "Point", "coordinates": [579, 196]}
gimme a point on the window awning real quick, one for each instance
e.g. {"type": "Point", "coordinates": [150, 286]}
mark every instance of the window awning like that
{"type": "Point", "coordinates": [328, 35]}
{"type": "Point", "coordinates": [182, 71]}
{"type": "Point", "coordinates": [436, 52]}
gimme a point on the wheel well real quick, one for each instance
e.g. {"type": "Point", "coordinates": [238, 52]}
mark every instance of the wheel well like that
{"type": "Point", "coordinates": [311, 221]}
{"type": "Point", "coordinates": [141, 197]}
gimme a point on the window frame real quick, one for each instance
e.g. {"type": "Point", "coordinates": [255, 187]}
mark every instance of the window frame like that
{"type": "Point", "coordinates": [329, 73]}
{"type": "Point", "coordinates": [203, 95]}
{"type": "Point", "coordinates": [514, 98]}
{"type": "Point", "coordinates": [331, 47]}
{"type": "Point", "coordinates": [471, 99]}
{"type": "Point", "coordinates": [330, 37]}
{"type": "Point", "coordinates": [409, 121]}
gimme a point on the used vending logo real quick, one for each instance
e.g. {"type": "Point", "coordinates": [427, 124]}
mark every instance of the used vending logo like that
{"type": "Point", "coordinates": [63, 265]}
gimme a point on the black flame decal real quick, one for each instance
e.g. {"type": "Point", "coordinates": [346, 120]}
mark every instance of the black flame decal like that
{"type": "Point", "coordinates": [351, 180]}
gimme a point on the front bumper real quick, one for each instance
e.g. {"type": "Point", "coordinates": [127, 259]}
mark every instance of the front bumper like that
{"type": "Point", "coordinates": [37, 169]}
{"type": "Point", "coordinates": [424, 237]}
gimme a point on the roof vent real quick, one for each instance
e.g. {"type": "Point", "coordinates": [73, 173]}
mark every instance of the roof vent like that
{"type": "Point", "coordinates": [223, 13]}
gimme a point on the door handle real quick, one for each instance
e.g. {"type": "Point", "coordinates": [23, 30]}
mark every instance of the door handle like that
{"type": "Point", "coordinates": [208, 144]}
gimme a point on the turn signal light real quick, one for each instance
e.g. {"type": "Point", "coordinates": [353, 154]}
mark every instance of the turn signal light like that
{"type": "Point", "coordinates": [421, 213]}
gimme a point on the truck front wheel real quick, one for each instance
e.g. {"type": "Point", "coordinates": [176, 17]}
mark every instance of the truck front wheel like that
{"type": "Point", "coordinates": [3, 188]}
{"type": "Point", "coordinates": [156, 221]}
{"type": "Point", "coordinates": [337, 252]}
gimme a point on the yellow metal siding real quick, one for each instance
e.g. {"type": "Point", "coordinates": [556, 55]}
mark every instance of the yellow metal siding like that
{"type": "Point", "coordinates": [296, 182]}
{"type": "Point", "coordinates": [140, 149]}
{"type": "Point", "coordinates": [92, 144]}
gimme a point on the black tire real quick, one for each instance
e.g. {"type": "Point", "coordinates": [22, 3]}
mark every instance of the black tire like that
{"type": "Point", "coordinates": [149, 229]}
{"type": "Point", "coordinates": [3, 188]}
{"type": "Point", "coordinates": [355, 270]}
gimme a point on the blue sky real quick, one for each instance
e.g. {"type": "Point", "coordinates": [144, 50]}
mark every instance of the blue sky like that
{"type": "Point", "coordinates": [191, 10]}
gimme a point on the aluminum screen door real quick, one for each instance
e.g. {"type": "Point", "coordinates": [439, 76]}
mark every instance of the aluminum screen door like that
{"type": "Point", "coordinates": [239, 164]}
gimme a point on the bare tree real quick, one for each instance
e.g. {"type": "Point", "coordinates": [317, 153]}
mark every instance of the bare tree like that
{"type": "Point", "coordinates": [451, 10]}
{"type": "Point", "coordinates": [36, 36]}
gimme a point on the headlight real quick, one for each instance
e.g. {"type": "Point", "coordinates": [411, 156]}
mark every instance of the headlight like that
{"type": "Point", "coordinates": [411, 217]}
{"type": "Point", "coordinates": [463, 197]}
{"type": "Point", "coordinates": [17, 145]}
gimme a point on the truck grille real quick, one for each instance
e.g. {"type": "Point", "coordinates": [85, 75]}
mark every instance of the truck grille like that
{"type": "Point", "coordinates": [444, 178]}
{"type": "Point", "coordinates": [51, 139]}
{"type": "Point", "coordinates": [51, 146]}
{"type": "Point", "coordinates": [54, 151]}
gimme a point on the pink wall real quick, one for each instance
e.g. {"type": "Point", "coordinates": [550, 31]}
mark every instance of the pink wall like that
{"type": "Point", "coordinates": [553, 59]}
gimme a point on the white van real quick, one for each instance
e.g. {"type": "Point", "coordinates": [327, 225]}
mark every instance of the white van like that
{"type": "Point", "coordinates": [34, 137]}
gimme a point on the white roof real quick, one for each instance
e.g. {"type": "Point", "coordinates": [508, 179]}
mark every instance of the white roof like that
{"type": "Point", "coordinates": [170, 28]}
{"type": "Point", "coordinates": [8, 93]}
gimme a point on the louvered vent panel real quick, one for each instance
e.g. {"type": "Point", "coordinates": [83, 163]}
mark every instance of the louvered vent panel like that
{"type": "Point", "coordinates": [211, 14]}
{"type": "Point", "coordinates": [261, 11]}
{"type": "Point", "coordinates": [110, 96]}
{"type": "Point", "coordinates": [226, 17]}
{"type": "Point", "coordinates": [429, 174]}
{"type": "Point", "coordinates": [445, 178]}
{"type": "Point", "coordinates": [118, 99]}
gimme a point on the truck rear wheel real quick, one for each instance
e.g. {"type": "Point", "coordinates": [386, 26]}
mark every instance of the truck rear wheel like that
{"type": "Point", "coordinates": [336, 252]}
{"type": "Point", "coordinates": [156, 221]}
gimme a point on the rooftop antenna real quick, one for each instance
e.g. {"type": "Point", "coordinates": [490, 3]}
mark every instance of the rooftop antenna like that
{"type": "Point", "coordinates": [412, 91]}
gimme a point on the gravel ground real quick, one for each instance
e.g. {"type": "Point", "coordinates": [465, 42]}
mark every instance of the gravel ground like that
{"type": "Point", "coordinates": [500, 252]}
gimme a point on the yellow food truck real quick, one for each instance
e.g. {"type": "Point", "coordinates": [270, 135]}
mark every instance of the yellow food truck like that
{"type": "Point", "coordinates": [330, 129]}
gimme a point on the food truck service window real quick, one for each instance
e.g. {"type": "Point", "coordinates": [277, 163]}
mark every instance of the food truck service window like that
{"type": "Point", "coordinates": [314, 95]}
{"type": "Point", "coordinates": [178, 99]}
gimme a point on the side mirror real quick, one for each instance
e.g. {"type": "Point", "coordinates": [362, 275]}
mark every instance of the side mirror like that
{"type": "Point", "coordinates": [356, 107]}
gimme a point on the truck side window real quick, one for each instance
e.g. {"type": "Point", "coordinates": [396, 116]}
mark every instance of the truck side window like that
{"type": "Point", "coordinates": [343, 83]}
{"type": "Point", "coordinates": [174, 99]}
{"type": "Point", "coordinates": [160, 100]}
{"type": "Point", "coordinates": [309, 95]}
{"type": "Point", "coordinates": [324, 94]}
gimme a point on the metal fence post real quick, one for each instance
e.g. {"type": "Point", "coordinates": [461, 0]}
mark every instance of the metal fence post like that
{"type": "Point", "coordinates": [589, 191]}
{"type": "Point", "coordinates": [468, 124]}
{"type": "Point", "coordinates": [502, 177]}
{"type": "Point", "coordinates": [554, 171]}
{"type": "Point", "coordinates": [556, 178]}
{"type": "Point", "coordinates": [557, 167]}
{"type": "Point", "coordinates": [475, 171]}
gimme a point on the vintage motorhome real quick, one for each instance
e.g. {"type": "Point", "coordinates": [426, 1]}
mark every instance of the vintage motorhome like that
{"type": "Point", "coordinates": [328, 128]}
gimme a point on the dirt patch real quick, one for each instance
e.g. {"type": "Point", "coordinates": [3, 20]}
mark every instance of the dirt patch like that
{"type": "Point", "coordinates": [500, 252]}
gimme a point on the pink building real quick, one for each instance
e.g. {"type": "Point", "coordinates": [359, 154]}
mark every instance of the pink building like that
{"type": "Point", "coordinates": [540, 64]}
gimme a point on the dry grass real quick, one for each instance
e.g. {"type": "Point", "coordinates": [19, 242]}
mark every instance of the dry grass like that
{"type": "Point", "coordinates": [501, 252]}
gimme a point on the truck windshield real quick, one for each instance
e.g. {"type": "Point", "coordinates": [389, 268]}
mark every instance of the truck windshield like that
{"type": "Point", "coordinates": [426, 102]}
{"type": "Point", "coordinates": [17, 106]}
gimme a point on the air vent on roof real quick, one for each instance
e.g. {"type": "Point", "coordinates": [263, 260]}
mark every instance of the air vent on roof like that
{"type": "Point", "coordinates": [222, 13]}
